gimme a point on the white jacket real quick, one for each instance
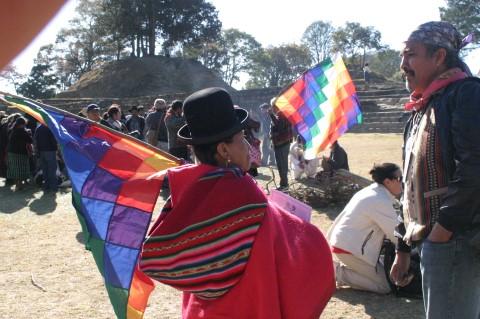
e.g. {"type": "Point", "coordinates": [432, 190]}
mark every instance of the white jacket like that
{"type": "Point", "coordinates": [364, 222]}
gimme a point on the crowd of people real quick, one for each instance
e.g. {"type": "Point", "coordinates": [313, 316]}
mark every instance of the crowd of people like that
{"type": "Point", "coordinates": [29, 154]}
{"type": "Point", "coordinates": [243, 257]}
{"type": "Point", "coordinates": [272, 139]}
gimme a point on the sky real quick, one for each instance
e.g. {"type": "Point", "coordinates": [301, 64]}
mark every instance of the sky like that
{"type": "Point", "coordinates": [276, 22]}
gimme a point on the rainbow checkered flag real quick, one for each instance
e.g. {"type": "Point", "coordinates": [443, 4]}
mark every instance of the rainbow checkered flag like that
{"type": "Point", "coordinates": [116, 181]}
{"type": "Point", "coordinates": [322, 104]}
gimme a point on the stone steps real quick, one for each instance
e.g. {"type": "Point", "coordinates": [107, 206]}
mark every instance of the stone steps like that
{"type": "Point", "coordinates": [395, 92]}
{"type": "Point", "coordinates": [378, 127]}
{"type": "Point", "coordinates": [391, 120]}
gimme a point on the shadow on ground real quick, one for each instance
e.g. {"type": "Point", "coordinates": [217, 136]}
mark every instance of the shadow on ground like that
{"type": "Point", "coordinates": [331, 211]}
{"type": "Point", "coordinates": [11, 202]}
{"type": "Point", "coordinates": [382, 306]}
{"type": "Point", "coordinates": [44, 204]}
{"type": "Point", "coordinates": [80, 238]}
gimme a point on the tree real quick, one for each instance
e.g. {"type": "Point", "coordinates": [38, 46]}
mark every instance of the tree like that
{"type": "Point", "coordinates": [183, 22]}
{"type": "Point", "coordinates": [386, 62]}
{"type": "Point", "coordinates": [353, 38]}
{"type": "Point", "coordinates": [12, 76]}
{"type": "Point", "coordinates": [318, 38]}
{"type": "Point", "coordinates": [41, 82]}
{"type": "Point", "coordinates": [104, 30]}
{"type": "Point", "coordinates": [144, 23]}
{"type": "Point", "coordinates": [464, 14]}
{"type": "Point", "coordinates": [278, 66]}
{"type": "Point", "coordinates": [209, 54]}
{"type": "Point", "coordinates": [239, 48]}
{"type": "Point", "coordinates": [82, 45]}
{"type": "Point", "coordinates": [229, 56]}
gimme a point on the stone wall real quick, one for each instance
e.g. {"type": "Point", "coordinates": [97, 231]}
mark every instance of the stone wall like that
{"type": "Point", "coordinates": [249, 99]}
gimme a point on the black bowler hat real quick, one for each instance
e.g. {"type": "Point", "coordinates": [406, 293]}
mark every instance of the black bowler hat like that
{"type": "Point", "coordinates": [211, 117]}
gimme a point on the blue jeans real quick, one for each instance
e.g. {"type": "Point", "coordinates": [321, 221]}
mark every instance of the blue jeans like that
{"type": "Point", "coordinates": [451, 279]}
{"type": "Point", "coordinates": [267, 152]}
{"type": "Point", "coordinates": [48, 162]}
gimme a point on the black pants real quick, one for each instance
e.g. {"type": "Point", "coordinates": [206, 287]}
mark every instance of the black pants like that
{"type": "Point", "coordinates": [281, 157]}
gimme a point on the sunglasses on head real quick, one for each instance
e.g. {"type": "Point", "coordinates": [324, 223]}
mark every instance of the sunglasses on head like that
{"type": "Point", "coordinates": [398, 178]}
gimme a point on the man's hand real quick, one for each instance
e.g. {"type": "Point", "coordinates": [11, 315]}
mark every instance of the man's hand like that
{"type": "Point", "coordinates": [399, 271]}
{"type": "Point", "coordinates": [439, 234]}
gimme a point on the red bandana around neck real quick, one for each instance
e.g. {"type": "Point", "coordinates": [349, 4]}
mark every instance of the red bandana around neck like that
{"type": "Point", "coordinates": [419, 100]}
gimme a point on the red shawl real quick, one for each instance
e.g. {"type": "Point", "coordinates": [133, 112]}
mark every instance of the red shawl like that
{"type": "Point", "coordinates": [419, 100]}
{"type": "Point", "coordinates": [233, 254]}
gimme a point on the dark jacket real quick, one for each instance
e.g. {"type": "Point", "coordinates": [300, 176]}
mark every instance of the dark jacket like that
{"type": "Point", "coordinates": [44, 139]}
{"type": "Point", "coordinates": [136, 123]}
{"type": "Point", "coordinates": [19, 141]}
{"type": "Point", "coordinates": [173, 123]}
{"type": "Point", "coordinates": [457, 118]}
{"type": "Point", "coordinates": [156, 121]}
{"type": "Point", "coordinates": [280, 130]}
{"type": "Point", "coordinates": [338, 158]}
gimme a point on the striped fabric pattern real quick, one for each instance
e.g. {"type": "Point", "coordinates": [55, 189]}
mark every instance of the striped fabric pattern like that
{"type": "Point", "coordinates": [18, 166]}
{"type": "Point", "coordinates": [206, 258]}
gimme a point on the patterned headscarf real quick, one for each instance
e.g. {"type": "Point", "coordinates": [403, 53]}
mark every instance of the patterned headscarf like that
{"type": "Point", "coordinates": [439, 33]}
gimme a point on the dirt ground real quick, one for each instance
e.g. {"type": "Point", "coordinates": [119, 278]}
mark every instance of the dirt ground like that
{"type": "Point", "coordinates": [45, 272]}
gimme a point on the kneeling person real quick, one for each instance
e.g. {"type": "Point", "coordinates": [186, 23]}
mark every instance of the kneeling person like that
{"type": "Point", "coordinates": [357, 234]}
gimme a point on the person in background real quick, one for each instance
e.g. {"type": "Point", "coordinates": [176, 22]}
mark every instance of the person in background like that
{"type": "Point", "coordinates": [338, 158]}
{"type": "Point", "coordinates": [93, 113]}
{"type": "Point", "coordinates": [135, 122]}
{"type": "Point", "coordinates": [46, 147]}
{"type": "Point", "coordinates": [3, 115]}
{"type": "Point", "coordinates": [245, 258]}
{"type": "Point", "coordinates": [356, 236]}
{"type": "Point", "coordinates": [174, 121]}
{"type": "Point", "coordinates": [155, 125]}
{"type": "Point", "coordinates": [268, 156]}
{"type": "Point", "coordinates": [252, 127]}
{"type": "Point", "coordinates": [6, 128]}
{"type": "Point", "coordinates": [298, 163]}
{"type": "Point", "coordinates": [366, 75]}
{"type": "Point", "coordinates": [113, 119]}
{"type": "Point", "coordinates": [441, 204]}
{"type": "Point", "coordinates": [281, 134]}
{"type": "Point", "coordinates": [4, 132]}
{"type": "Point", "coordinates": [19, 152]}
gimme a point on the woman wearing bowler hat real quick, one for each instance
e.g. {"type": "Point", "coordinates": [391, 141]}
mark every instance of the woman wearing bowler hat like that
{"type": "Point", "coordinates": [219, 240]}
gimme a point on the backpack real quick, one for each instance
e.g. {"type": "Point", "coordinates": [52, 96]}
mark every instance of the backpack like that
{"type": "Point", "coordinates": [414, 288]}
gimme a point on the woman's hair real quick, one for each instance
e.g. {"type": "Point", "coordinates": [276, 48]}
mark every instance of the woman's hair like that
{"type": "Point", "coordinates": [20, 121]}
{"type": "Point", "coordinates": [385, 170]}
{"type": "Point", "coordinates": [205, 153]}
{"type": "Point", "coordinates": [177, 104]}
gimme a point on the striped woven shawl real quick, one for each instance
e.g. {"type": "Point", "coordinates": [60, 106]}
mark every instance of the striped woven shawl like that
{"type": "Point", "coordinates": [202, 240]}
